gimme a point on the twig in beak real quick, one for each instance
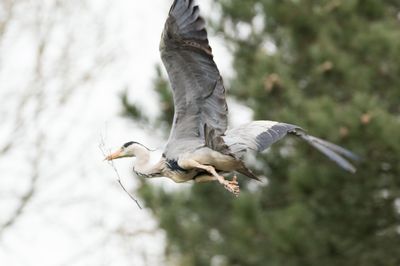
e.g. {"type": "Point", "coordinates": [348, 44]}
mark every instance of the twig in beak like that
{"type": "Point", "coordinates": [111, 163]}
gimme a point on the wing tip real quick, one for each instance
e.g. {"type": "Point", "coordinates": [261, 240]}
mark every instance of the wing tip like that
{"type": "Point", "coordinates": [334, 152]}
{"type": "Point", "coordinates": [349, 168]}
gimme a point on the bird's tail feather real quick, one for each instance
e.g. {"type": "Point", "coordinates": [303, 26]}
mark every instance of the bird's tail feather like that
{"type": "Point", "coordinates": [332, 151]}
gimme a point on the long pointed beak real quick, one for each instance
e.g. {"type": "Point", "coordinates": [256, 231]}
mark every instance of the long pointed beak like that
{"type": "Point", "coordinates": [114, 155]}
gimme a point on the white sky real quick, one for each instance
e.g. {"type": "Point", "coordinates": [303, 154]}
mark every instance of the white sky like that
{"type": "Point", "coordinates": [78, 204]}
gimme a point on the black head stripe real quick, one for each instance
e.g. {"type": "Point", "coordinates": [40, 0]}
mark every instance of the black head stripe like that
{"type": "Point", "coordinates": [133, 142]}
{"type": "Point", "coordinates": [129, 144]}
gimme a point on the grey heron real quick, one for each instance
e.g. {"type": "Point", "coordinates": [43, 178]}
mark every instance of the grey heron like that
{"type": "Point", "coordinates": [200, 147]}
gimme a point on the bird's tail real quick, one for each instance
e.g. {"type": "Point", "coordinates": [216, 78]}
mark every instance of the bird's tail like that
{"type": "Point", "coordinates": [334, 152]}
{"type": "Point", "coordinates": [247, 172]}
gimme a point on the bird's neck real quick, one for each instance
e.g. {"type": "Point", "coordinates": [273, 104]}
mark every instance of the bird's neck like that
{"type": "Point", "coordinates": [144, 165]}
{"type": "Point", "coordinates": [142, 156]}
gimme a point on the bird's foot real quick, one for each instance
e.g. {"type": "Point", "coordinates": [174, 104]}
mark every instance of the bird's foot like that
{"type": "Point", "coordinates": [232, 186]}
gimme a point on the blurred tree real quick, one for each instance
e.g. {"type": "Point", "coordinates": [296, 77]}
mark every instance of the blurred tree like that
{"type": "Point", "coordinates": [333, 68]}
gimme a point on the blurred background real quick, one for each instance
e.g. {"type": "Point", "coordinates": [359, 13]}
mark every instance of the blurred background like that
{"type": "Point", "coordinates": [76, 74]}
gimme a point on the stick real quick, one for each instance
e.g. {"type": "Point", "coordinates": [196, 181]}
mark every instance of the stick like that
{"type": "Point", "coordinates": [111, 163]}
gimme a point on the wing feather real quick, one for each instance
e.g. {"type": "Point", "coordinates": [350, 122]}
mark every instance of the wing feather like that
{"type": "Point", "coordinates": [259, 135]}
{"type": "Point", "coordinates": [199, 94]}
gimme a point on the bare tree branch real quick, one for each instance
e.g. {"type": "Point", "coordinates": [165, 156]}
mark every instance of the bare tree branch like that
{"type": "Point", "coordinates": [23, 202]}
{"type": "Point", "coordinates": [7, 7]}
{"type": "Point", "coordinates": [56, 71]}
{"type": "Point", "coordinates": [38, 97]}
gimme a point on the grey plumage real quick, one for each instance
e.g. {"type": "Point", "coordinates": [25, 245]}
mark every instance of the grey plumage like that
{"type": "Point", "coordinates": [199, 94]}
{"type": "Point", "coordinates": [332, 151]}
{"type": "Point", "coordinates": [256, 136]}
{"type": "Point", "coordinates": [200, 147]}
{"type": "Point", "coordinates": [259, 135]}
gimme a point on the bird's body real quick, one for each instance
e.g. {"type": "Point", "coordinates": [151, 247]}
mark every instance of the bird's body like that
{"type": "Point", "coordinates": [200, 146]}
{"type": "Point", "coordinates": [171, 168]}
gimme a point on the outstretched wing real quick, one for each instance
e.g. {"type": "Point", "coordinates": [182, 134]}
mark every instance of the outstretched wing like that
{"type": "Point", "coordinates": [199, 94]}
{"type": "Point", "coordinates": [256, 136]}
{"type": "Point", "coordinates": [259, 135]}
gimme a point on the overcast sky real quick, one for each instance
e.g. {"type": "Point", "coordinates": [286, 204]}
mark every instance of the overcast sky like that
{"type": "Point", "coordinates": [78, 206]}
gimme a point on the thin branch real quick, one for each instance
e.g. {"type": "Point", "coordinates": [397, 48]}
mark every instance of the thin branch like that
{"type": "Point", "coordinates": [26, 198]}
{"type": "Point", "coordinates": [136, 233]}
{"type": "Point", "coordinates": [38, 97]}
{"type": "Point", "coordinates": [8, 8]}
{"type": "Point", "coordinates": [111, 163]}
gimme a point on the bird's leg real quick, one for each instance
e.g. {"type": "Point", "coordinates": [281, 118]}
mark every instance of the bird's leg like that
{"type": "Point", "coordinates": [231, 186]}
{"type": "Point", "coordinates": [204, 179]}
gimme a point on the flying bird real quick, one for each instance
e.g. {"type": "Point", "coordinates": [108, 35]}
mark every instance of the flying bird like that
{"type": "Point", "coordinates": [200, 147]}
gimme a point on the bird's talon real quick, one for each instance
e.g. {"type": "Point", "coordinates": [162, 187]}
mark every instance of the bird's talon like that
{"type": "Point", "coordinates": [232, 186]}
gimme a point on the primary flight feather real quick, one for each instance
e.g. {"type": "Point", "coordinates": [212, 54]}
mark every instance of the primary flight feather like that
{"type": "Point", "coordinates": [200, 147]}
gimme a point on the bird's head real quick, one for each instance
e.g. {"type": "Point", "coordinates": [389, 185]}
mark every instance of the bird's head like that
{"type": "Point", "coordinates": [129, 149]}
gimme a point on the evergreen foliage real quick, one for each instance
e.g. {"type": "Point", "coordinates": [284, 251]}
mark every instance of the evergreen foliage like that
{"type": "Point", "coordinates": [333, 68]}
